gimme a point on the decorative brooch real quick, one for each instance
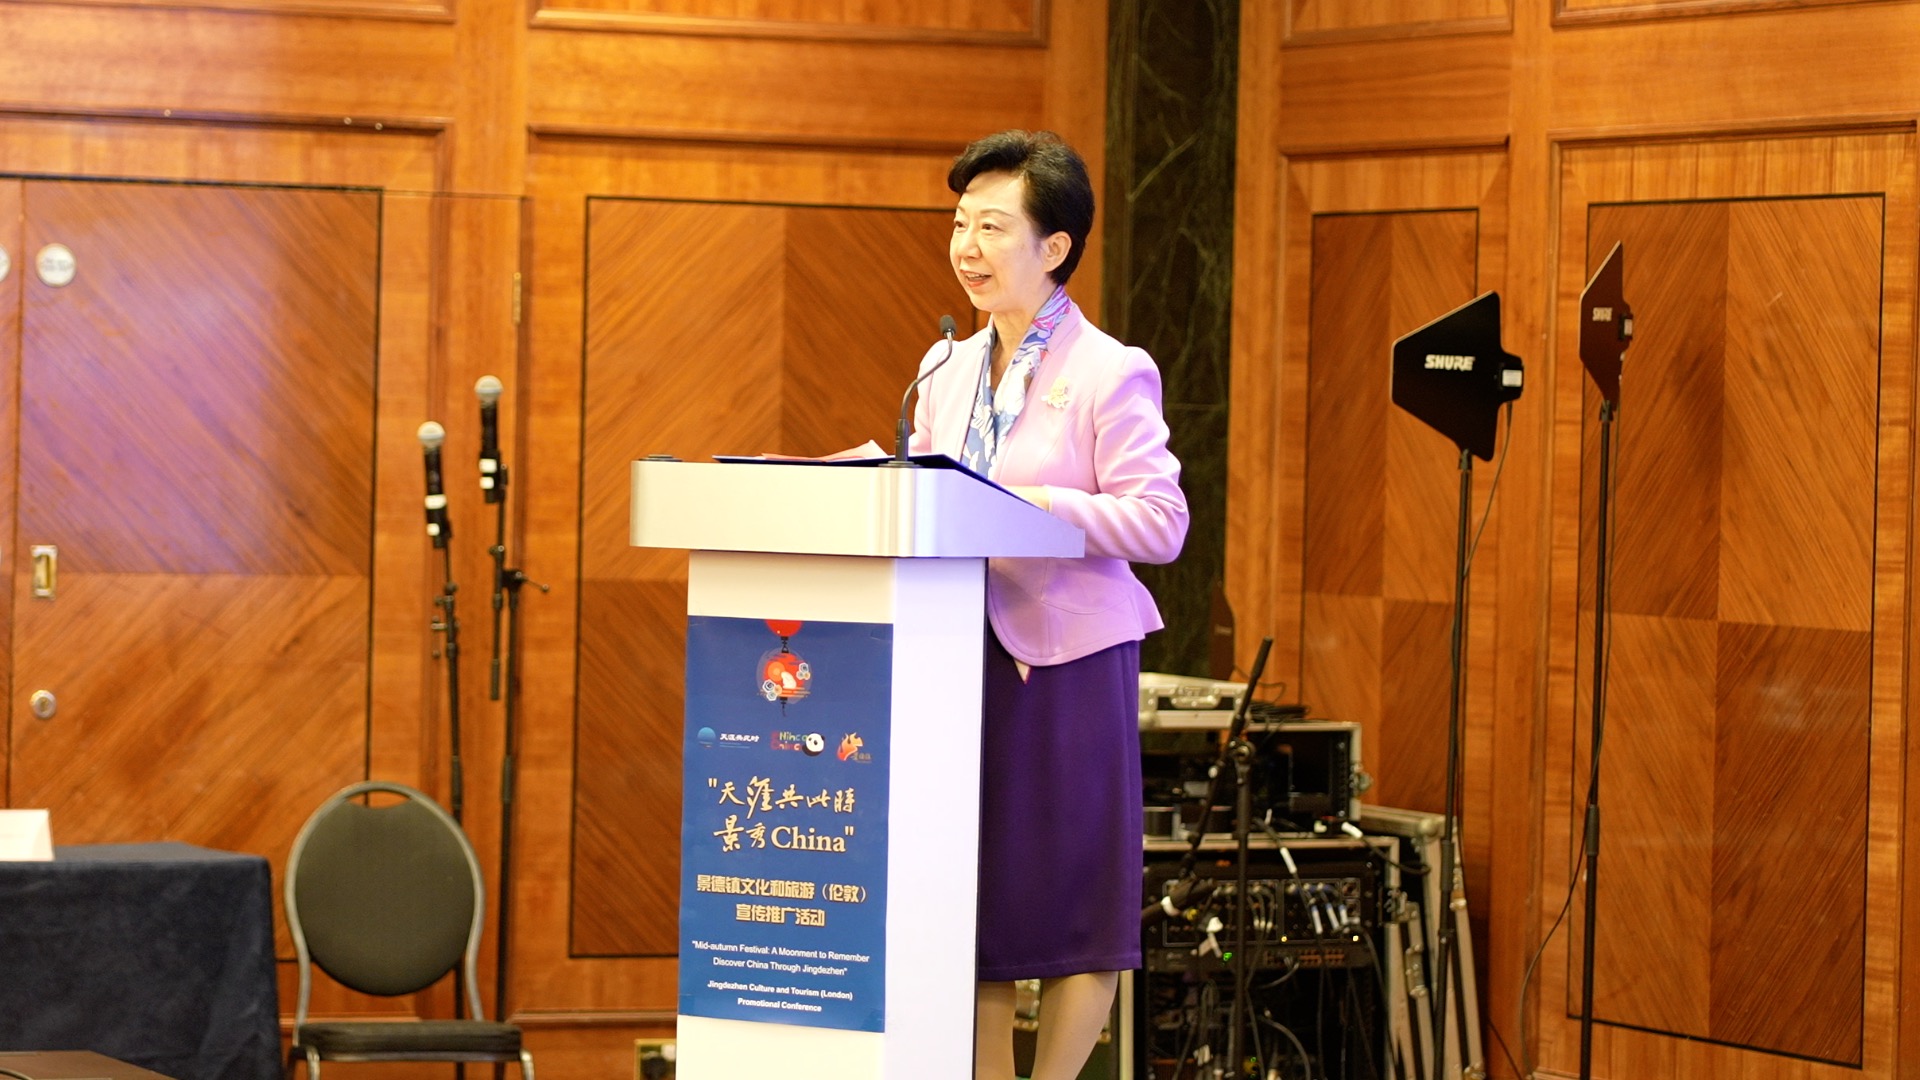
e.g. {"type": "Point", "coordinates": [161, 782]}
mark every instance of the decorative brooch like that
{"type": "Point", "coordinates": [1057, 397]}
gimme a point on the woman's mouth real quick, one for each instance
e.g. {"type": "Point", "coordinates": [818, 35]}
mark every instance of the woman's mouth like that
{"type": "Point", "coordinates": [972, 280]}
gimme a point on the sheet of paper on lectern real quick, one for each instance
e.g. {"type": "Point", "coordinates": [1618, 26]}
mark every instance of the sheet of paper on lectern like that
{"type": "Point", "coordinates": [26, 836]}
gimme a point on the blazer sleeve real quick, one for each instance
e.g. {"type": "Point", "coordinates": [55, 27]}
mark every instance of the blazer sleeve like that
{"type": "Point", "coordinates": [1138, 512]}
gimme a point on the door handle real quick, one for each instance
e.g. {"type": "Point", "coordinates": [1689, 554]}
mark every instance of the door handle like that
{"type": "Point", "coordinates": [46, 566]}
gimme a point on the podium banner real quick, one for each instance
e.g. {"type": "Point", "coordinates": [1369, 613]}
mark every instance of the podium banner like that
{"type": "Point", "coordinates": [783, 847]}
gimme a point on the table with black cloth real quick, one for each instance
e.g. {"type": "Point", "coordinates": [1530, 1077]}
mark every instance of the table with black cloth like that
{"type": "Point", "coordinates": [156, 954]}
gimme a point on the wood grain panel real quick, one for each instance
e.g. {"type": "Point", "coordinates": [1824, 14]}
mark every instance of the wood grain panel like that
{"type": "Point", "coordinates": [865, 290]}
{"type": "Point", "coordinates": [1380, 489]}
{"type": "Point", "coordinates": [1587, 12]}
{"type": "Point", "coordinates": [261, 152]}
{"type": "Point", "coordinates": [1347, 403]}
{"type": "Point", "coordinates": [1777, 683]}
{"type": "Point", "coordinates": [201, 447]}
{"type": "Point", "coordinates": [1423, 92]}
{"type": "Point", "coordinates": [1670, 443]}
{"type": "Point", "coordinates": [1433, 267]}
{"type": "Point", "coordinates": [626, 847]}
{"type": "Point", "coordinates": [1414, 677]}
{"type": "Point", "coordinates": [236, 66]}
{"type": "Point", "coordinates": [920, 21]}
{"type": "Point", "coordinates": [1340, 660]}
{"type": "Point", "coordinates": [817, 316]}
{"type": "Point", "coordinates": [265, 359]}
{"type": "Point", "coordinates": [550, 985]}
{"type": "Point", "coordinates": [1803, 354]}
{"type": "Point", "coordinates": [656, 336]}
{"type": "Point", "coordinates": [1765, 71]}
{"type": "Point", "coordinates": [1262, 538]}
{"type": "Point", "coordinates": [1335, 20]}
{"type": "Point", "coordinates": [1659, 798]}
{"type": "Point", "coordinates": [214, 709]}
{"type": "Point", "coordinates": [1789, 858]}
{"type": "Point", "coordinates": [416, 10]}
{"type": "Point", "coordinates": [12, 232]}
{"type": "Point", "coordinates": [726, 89]}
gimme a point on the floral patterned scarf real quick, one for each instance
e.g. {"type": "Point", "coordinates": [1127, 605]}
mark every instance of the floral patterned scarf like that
{"type": "Point", "coordinates": [994, 414]}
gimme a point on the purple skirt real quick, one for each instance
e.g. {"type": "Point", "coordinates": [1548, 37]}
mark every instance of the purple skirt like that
{"type": "Point", "coordinates": [1060, 820]}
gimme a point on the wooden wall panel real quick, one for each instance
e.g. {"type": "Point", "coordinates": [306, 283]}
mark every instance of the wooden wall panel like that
{"type": "Point", "coordinates": [428, 306]}
{"type": "Point", "coordinates": [680, 364]}
{"type": "Point", "coordinates": [590, 90]}
{"type": "Point", "coordinates": [196, 438]}
{"type": "Point", "coordinates": [1707, 726]}
{"type": "Point", "coordinates": [12, 291]}
{"type": "Point", "coordinates": [1585, 12]}
{"type": "Point", "coordinates": [1802, 372]}
{"type": "Point", "coordinates": [1818, 68]}
{"type": "Point", "coordinates": [799, 342]}
{"type": "Point", "coordinates": [1791, 724]}
{"type": "Point", "coordinates": [1370, 244]}
{"type": "Point", "coordinates": [1335, 20]}
{"type": "Point", "coordinates": [865, 290]}
{"type": "Point", "coordinates": [415, 10]}
{"type": "Point", "coordinates": [263, 362]}
{"type": "Point", "coordinates": [1346, 412]}
{"type": "Point", "coordinates": [1380, 486]}
{"type": "Point", "coordinates": [972, 22]}
{"type": "Point", "coordinates": [1739, 497]}
{"type": "Point", "coordinates": [1672, 542]}
{"type": "Point", "coordinates": [1436, 92]}
{"type": "Point", "coordinates": [1660, 804]}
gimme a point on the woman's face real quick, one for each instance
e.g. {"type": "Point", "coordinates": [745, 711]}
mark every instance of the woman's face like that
{"type": "Point", "coordinates": [996, 251]}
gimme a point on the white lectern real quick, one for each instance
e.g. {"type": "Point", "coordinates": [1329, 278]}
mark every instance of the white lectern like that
{"type": "Point", "coordinates": [831, 805]}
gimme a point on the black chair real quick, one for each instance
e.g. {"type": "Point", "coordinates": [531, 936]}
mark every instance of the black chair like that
{"type": "Point", "coordinates": [387, 900]}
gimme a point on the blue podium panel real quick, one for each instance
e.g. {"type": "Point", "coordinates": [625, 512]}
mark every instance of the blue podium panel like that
{"type": "Point", "coordinates": [783, 910]}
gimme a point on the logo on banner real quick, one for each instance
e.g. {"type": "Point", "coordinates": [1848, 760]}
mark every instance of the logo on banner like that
{"type": "Point", "coordinates": [850, 745]}
{"type": "Point", "coordinates": [783, 674]}
{"type": "Point", "coordinates": [811, 744]}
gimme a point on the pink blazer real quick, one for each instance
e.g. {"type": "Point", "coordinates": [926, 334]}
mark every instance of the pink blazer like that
{"type": "Point", "coordinates": [1092, 433]}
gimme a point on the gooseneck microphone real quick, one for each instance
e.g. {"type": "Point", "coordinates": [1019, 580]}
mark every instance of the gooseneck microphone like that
{"type": "Point", "coordinates": [438, 527]}
{"type": "Point", "coordinates": [493, 480]}
{"type": "Point", "coordinates": [948, 328]}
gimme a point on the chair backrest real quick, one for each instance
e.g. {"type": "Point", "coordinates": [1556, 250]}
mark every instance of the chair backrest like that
{"type": "Point", "coordinates": [385, 899]}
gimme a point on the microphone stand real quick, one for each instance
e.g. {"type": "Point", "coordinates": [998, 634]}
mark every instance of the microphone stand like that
{"type": "Point", "coordinates": [1450, 870]}
{"type": "Point", "coordinates": [448, 625]}
{"type": "Point", "coordinates": [1238, 751]}
{"type": "Point", "coordinates": [506, 587]}
{"type": "Point", "coordinates": [1601, 583]}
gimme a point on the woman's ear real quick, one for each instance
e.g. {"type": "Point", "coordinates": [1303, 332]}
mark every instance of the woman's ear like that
{"type": "Point", "coordinates": [1054, 250]}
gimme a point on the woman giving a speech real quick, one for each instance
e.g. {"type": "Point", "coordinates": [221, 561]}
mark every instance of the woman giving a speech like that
{"type": "Point", "coordinates": [1044, 403]}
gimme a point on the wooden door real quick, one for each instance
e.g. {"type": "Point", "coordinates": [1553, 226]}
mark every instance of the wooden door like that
{"type": "Point", "coordinates": [196, 436]}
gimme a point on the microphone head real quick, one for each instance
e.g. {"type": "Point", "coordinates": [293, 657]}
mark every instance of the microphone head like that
{"type": "Point", "coordinates": [432, 435]}
{"type": "Point", "coordinates": [948, 327]}
{"type": "Point", "coordinates": [487, 389]}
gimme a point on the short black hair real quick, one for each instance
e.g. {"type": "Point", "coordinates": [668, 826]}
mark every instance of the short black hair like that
{"type": "Point", "coordinates": [1059, 195]}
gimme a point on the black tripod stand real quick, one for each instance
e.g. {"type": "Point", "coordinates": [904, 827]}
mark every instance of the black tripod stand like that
{"type": "Point", "coordinates": [1606, 327]}
{"type": "Point", "coordinates": [506, 601]}
{"type": "Point", "coordinates": [1453, 375]}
